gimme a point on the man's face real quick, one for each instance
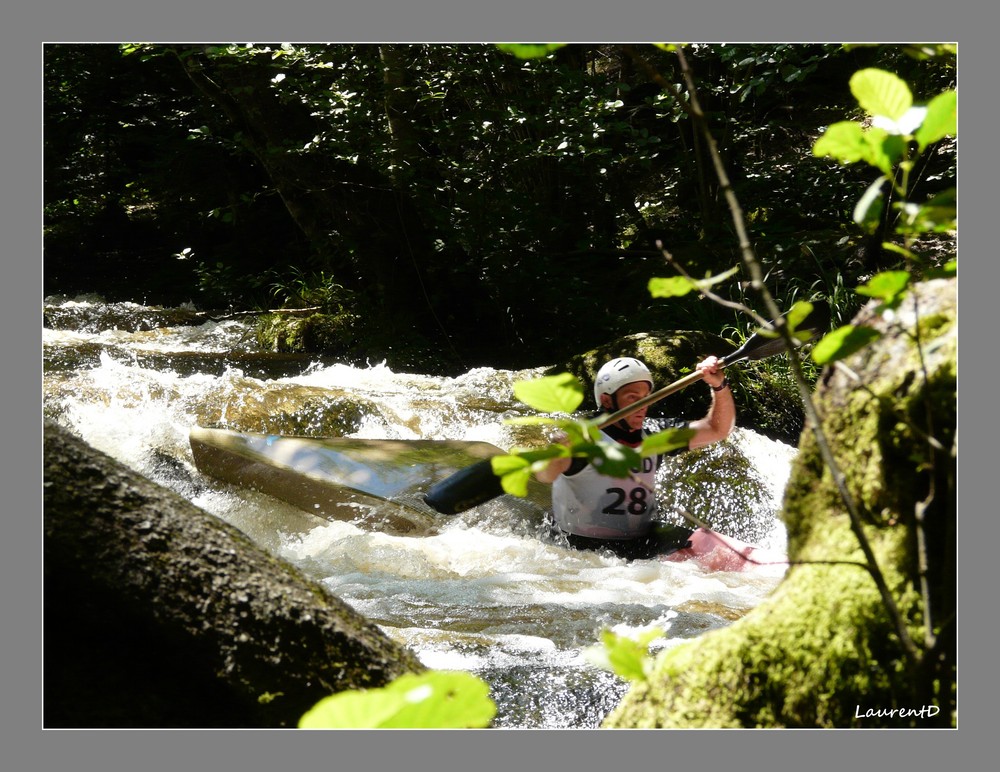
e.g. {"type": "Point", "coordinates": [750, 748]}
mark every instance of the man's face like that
{"type": "Point", "coordinates": [627, 395]}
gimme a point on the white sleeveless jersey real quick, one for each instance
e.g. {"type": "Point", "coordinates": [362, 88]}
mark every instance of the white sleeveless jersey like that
{"type": "Point", "coordinates": [591, 504]}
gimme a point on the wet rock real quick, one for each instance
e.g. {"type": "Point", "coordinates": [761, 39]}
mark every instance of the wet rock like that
{"type": "Point", "coordinates": [158, 614]}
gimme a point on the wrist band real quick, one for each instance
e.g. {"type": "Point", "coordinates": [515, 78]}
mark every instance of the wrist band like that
{"type": "Point", "coordinates": [721, 386]}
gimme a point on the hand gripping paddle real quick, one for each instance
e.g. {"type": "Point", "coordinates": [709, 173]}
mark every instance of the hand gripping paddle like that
{"type": "Point", "coordinates": [477, 483]}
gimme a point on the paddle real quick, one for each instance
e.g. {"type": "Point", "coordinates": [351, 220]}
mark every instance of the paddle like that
{"type": "Point", "coordinates": [477, 483]}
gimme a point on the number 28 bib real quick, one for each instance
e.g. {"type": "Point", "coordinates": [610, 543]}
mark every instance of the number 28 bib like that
{"type": "Point", "coordinates": [591, 504]}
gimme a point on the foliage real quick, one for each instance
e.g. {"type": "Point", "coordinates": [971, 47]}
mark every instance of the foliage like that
{"type": "Point", "coordinates": [898, 133]}
{"type": "Point", "coordinates": [624, 655]}
{"type": "Point", "coordinates": [433, 700]}
{"type": "Point", "coordinates": [563, 393]}
{"type": "Point", "coordinates": [469, 199]}
{"type": "Point", "coordinates": [895, 137]}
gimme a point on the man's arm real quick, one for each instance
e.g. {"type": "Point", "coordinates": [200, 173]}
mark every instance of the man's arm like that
{"type": "Point", "coordinates": [721, 417]}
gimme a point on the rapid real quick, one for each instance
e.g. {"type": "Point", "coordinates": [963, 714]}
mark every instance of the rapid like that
{"type": "Point", "coordinates": [488, 592]}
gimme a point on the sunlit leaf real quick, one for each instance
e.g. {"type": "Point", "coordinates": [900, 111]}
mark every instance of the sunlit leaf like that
{"type": "Point", "coordinates": [937, 215]}
{"type": "Point", "coordinates": [719, 278]}
{"type": "Point", "coordinates": [612, 459]}
{"type": "Point", "coordinates": [843, 342]}
{"type": "Point", "coordinates": [433, 700]}
{"type": "Point", "coordinates": [844, 141]}
{"type": "Point", "coordinates": [886, 285]}
{"type": "Point", "coordinates": [671, 287]}
{"type": "Point", "coordinates": [946, 271]}
{"type": "Point", "coordinates": [507, 463]}
{"type": "Point", "coordinates": [515, 469]}
{"type": "Point", "coordinates": [881, 93]}
{"type": "Point", "coordinates": [530, 420]}
{"type": "Point", "coordinates": [516, 482]}
{"type": "Point", "coordinates": [883, 150]}
{"type": "Point", "coordinates": [627, 657]}
{"type": "Point", "coordinates": [666, 441]}
{"type": "Point", "coordinates": [941, 119]}
{"type": "Point", "coordinates": [560, 393]}
{"type": "Point", "coordinates": [677, 286]}
{"type": "Point", "coordinates": [905, 126]}
{"type": "Point", "coordinates": [529, 50]}
{"type": "Point", "coordinates": [889, 246]}
{"type": "Point", "coordinates": [872, 195]}
{"type": "Point", "coordinates": [798, 316]}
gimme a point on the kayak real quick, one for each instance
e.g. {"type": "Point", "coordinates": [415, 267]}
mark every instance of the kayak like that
{"type": "Point", "coordinates": [381, 484]}
{"type": "Point", "coordinates": [342, 478]}
{"type": "Point", "coordinates": [714, 551]}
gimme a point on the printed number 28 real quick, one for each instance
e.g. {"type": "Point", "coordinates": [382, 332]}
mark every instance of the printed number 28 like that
{"type": "Point", "coordinates": [636, 501]}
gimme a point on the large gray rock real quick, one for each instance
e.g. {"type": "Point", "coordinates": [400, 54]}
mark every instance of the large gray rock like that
{"type": "Point", "coordinates": [158, 614]}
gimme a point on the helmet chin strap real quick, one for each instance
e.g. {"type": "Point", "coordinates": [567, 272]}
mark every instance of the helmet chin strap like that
{"type": "Point", "coordinates": [621, 430]}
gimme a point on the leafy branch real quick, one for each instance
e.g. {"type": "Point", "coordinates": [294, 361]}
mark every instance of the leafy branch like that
{"type": "Point", "coordinates": [898, 133]}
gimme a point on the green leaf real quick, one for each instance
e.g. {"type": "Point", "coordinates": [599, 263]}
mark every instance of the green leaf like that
{"type": "Point", "coordinates": [843, 141]}
{"type": "Point", "coordinates": [863, 209]}
{"type": "Point", "coordinates": [666, 441]}
{"type": "Point", "coordinates": [627, 657]}
{"type": "Point", "coordinates": [800, 312]}
{"type": "Point", "coordinates": [886, 285]}
{"type": "Point", "coordinates": [883, 150]}
{"type": "Point", "coordinates": [671, 287]}
{"type": "Point", "coordinates": [514, 469]}
{"type": "Point", "coordinates": [888, 246]}
{"type": "Point", "coordinates": [529, 50]}
{"type": "Point", "coordinates": [881, 93]}
{"type": "Point", "coordinates": [611, 458]}
{"type": "Point", "coordinates": [530, 420]}
{"type": "Point", "coordinates": [710, 281]}
{"type": "Point", "coordinates": [560, 393]}
{"type": "Point", "coordinates": [676, 286]}
{"type": "Point", "coordinates": [843, 342]}
{"type": "Point", "coordinates": [946, 271]}
{"type": "Point", "coordinates": [433, 700]}
{"type": "Point", "coordinates": [941, 120]}
{"type": "Point", "coordinates": [936, 215]}
{"type": "Point", "coordinates": [508, 463]}
{"type": "Point", "coordinates": [516, 482]}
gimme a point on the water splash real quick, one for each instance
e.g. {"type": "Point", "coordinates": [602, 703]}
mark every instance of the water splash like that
{"type": "Point", "coordinates": [489, 592]}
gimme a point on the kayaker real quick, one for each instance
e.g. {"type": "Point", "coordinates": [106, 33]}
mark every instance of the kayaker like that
{"type": "Point", "coordinates": [598, 512]}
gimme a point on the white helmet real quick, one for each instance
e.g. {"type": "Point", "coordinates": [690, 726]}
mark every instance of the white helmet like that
{"type": "Point", "coordinates": [617, 373]}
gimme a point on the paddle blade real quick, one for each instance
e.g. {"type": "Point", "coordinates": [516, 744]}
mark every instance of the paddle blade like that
{"type": "Point", "coordinates": [759, 346]}
{"type": "Point", "coordinates": [465, 489]}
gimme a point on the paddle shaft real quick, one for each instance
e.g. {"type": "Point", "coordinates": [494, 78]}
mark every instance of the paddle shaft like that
{"type": "Point", "coordinates": [649, 399]}
{"type": "Point", "coordinates": [755, 347]}
{"type": "Point", "coordinates": [477, 483]}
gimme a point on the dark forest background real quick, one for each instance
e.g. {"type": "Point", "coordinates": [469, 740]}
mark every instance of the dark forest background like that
{"type": "Point", "coordinates": [452, 206]}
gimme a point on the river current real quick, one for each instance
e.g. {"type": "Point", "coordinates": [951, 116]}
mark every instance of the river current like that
{"type": "Point", "coordinates": [487, 592]}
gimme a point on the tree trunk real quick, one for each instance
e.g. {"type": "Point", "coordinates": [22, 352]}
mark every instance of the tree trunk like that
{"type": "Point", "coordinates": [160, 615]}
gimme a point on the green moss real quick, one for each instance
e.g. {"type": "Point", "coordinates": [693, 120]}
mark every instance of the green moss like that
{"type": "Point", "coordinates": [822, 651]}
{"type": "Point", "coordinates": [316, 333]}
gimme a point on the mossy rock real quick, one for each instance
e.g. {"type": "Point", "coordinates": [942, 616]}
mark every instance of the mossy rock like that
{"type": "Point", "coordinates": [316, 333]}
{"type": "Point", "coordinates": [823, 650]}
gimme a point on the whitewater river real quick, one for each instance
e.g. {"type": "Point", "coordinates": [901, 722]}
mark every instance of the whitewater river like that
{"type": "Point", "coordinates": [488, 592]}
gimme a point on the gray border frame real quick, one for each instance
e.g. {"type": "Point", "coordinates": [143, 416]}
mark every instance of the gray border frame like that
{"type": "Point", "coordinates": [28, 747]}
